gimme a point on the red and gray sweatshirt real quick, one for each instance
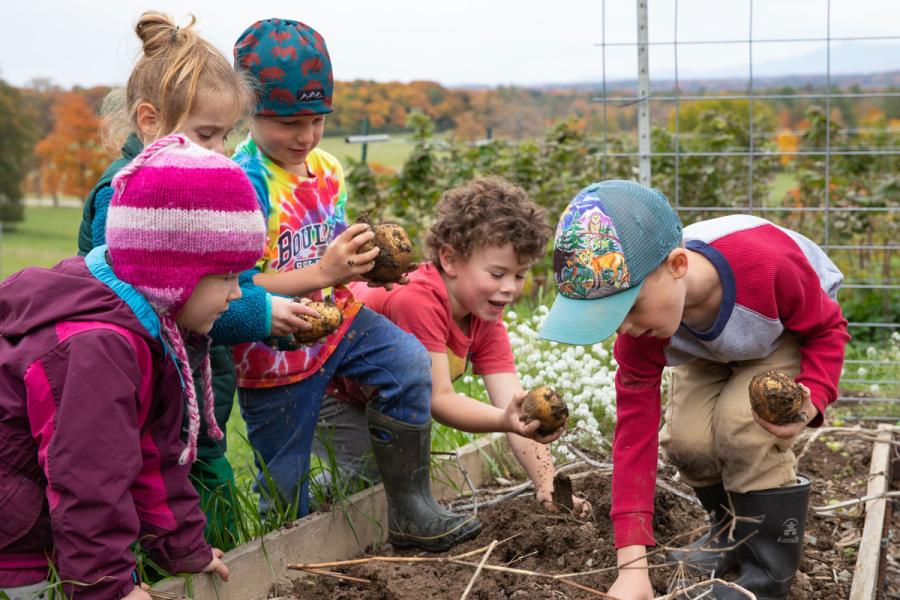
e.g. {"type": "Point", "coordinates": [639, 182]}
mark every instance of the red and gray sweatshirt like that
{"type": "Point", "coordinates": [90, 416]}
{"type": "Point", "coordinates": [774, 282]}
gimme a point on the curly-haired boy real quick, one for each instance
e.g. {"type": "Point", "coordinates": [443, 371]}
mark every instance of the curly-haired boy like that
{"type": "Point", "coordinates": [486, 236]}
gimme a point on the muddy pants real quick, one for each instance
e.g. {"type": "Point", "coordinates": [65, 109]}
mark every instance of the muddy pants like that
{"type": "Point", "coordinates": [709, 433]}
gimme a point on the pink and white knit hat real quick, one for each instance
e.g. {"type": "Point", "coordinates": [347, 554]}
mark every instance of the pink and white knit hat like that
{"type": "Point", "coordinates": [180, 212]}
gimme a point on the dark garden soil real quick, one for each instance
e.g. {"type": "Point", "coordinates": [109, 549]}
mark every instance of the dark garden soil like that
{"type": "Point", "coordinates": [552, 544]}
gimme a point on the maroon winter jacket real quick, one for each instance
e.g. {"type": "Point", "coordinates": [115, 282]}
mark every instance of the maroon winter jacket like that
{"type": "Point", "coordinates": [90, 417]}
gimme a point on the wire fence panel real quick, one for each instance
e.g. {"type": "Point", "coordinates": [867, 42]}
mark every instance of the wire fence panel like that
{"type": "Point", "coordinates": [832, 175]}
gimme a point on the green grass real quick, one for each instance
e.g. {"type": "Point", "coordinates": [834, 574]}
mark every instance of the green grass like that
{"type": "Point", "coordinates": [47, 235]}
{"type": "Point", "coordinates": [390, 154]}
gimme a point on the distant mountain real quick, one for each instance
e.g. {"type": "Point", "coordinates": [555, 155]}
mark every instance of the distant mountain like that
{"type": "Point", "coordinates": [866, 81]}
{"type": "Point", "coordinates": [846, 59]}
{"type": "Point", "coordinates": [867, 65]}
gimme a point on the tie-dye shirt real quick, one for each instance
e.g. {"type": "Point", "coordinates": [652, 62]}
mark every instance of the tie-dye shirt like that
{"type": "Point", "coordinates": [304, 214]}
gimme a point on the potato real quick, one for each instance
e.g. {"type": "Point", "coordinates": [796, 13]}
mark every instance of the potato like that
{"type": "Point", "coordinates": [327, 322]}
{"type": "Point", "coordinates": [396, 254]}
{"type": "Point", "coordinates": [545, 405]}
{"type": "Point", "coordinates": [776, 398]}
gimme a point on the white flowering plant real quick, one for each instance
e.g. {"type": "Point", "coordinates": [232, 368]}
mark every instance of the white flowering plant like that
{"type": "Point", "coordinates": [869, 371]}
{"type": "Point", "coordinates": [583, 375]}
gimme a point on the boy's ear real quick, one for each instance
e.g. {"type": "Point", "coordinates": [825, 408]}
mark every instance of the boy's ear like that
{"type": "Point", "coordinates": [448, 259]}
{"type": "Point", "coordinates": [147, 118]}
{"type": "Point", "coordinates": [678, 262]}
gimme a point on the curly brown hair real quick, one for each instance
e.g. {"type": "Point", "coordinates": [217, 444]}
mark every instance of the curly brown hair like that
{"type": "Point", "coordinates": [488, 211]}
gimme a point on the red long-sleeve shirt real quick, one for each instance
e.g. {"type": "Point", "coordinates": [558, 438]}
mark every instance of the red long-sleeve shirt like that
{"type": "Point", "coordinates": [774, 281]}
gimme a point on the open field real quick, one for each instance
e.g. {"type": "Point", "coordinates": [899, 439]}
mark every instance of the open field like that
{"type": "Point", "coordinates": [390, 154]}
{"type": "Point", "coordinates": [47, 235]}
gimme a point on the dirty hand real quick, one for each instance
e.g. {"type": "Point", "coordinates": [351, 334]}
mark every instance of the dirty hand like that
{"type": "Point", "coordinates": [137, 594]}
{"type": "Point", "coordinates": [631, 585]}
{"type": "Point", "coordinates": [518, 422]}
{"type": "Point", "coordinates": [791, 430]}
{"type": "Point", "coordinates": [286, 316]}
{"type": "Point", "coordinates": [633, 582]}
{"type": "Point", "coordinates": [341, 263]}
{"type": "Point", "coordinates": [580, 507]}
{"type": "Point", "coordinates": [216, 565]}
{"type": "Point", "coordinates": [390, 284]}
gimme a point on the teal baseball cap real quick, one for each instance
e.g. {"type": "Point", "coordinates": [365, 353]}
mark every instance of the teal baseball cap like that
{"type": "Point", "coordinates": [610, 237]}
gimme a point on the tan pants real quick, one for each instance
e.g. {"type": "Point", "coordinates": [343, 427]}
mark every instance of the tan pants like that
{"type": "Point", "coordinates": [709, 433]}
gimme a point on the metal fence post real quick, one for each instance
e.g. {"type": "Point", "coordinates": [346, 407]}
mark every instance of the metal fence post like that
{"type": "Point", "coordinates": [643, 116]}
{"type": "Point", "coordinates": [365, 146]}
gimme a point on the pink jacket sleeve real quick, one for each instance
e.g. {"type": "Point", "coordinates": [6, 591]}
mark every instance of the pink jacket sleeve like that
{"type": "Point", "coordinates": [87, 400]}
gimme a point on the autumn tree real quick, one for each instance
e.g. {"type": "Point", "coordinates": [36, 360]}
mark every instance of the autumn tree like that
{"type": "Point", "coordinates": [38, 97]}
{"type": "Point", "coordinates": [16, 140]}
{"type": "Point", "coordinates": [72, 156]}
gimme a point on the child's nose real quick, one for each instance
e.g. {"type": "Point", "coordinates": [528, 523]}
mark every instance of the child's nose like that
{"type": "Point", "coordinates": [235, 292]}
{"type": "Point", "coordinates": [305, 135]}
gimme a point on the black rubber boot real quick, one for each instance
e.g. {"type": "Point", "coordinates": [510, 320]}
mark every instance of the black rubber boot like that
{"type": "Point", "coordinates": [710, 555]}
{"type": "Point", "coordinates": [705, 555]}
{"type": "Point", "coordinates": [403, 454]}
{"type": "Point", "coordinates": [769, 558]}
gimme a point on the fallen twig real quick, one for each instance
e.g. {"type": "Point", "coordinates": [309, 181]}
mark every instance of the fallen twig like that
{"type": "Point", "coordinates": [677, 492]}
{"type": "Point", "coordinates": [699, 584]}
{"type": "Point", "coordinates": [854, 502]}
{"type": "Point", "coordinates": [528, 573]}
{"type": "Point", "coordinates": [368, 559]}
{"type": "Point", "coordinates": [812, 440]}
{"type": "Point", "coordinates": [468, 481]}
{"type": "Point", "coordinates": [337, 575]}
{"type": "Point", "coordinates": [516, 490]}
{"type": "Point", "coordinates": [584, 456]}
{"type": "Point", "coordinates": [608, 466]}
{"type": "Point", "coordinates": [587, 589]}
{"type": "Point", "coordinates": [475, 575]}
{"type": "Point", "coordinates": [160, 595]}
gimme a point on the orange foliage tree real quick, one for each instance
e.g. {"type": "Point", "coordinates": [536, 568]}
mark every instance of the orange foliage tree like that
{"type": "Point", "coordinates": [71, 156]}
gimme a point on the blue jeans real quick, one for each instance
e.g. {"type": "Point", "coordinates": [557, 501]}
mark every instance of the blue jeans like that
{"type": "Point", "coordinates": [281, 421]}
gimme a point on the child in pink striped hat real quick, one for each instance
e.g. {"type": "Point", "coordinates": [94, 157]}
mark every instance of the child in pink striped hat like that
{"type": "Point", "coordinates": [96, 378]}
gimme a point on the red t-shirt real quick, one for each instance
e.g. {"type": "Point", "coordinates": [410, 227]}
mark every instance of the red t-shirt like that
{"type": "Point", "coordinates": [422, 308]}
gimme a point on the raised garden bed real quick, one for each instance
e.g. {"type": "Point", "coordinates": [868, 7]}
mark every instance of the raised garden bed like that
{"type": "Point", "coordinates": [838, 554]}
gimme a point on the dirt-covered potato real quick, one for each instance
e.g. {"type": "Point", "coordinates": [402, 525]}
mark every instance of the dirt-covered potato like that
{"type": "Point", "coordinates": [776, 398]}
{"type": "Point", "coordinates": [396, 254]}
{"type": "Point", "coordinates": [327, 322]}
{"type": "Point", "coordinates": [545, 405]}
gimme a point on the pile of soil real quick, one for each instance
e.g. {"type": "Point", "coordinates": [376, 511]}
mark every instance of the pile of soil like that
{"type": "Point", "coordinates": [552, 544]}
{"type": "Point", "coordinates": [838, 468]}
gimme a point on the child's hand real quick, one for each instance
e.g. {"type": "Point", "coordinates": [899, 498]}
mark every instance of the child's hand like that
{"type": "Point", "coordinates": [286, 316]}
{"type": "Point", "coordinates": [633, 582]}
{"type": "Point", "coordinates": [137, 594]}
{"type": "Point", "coordinates": [518, 422]}
{"type": "Point", "coordinates": [341, 263]}
{"type": "Point", "coordinates": [632, 585]}
{"type": "Point", "coordinates": [791, 430]}
{"type": "Point", "coordinates": [580, 507]}
{"type": "Point", "coordinates": [216, 565]}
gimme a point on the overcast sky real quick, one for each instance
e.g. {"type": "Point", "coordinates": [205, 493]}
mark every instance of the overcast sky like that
{"type": "Point", "coordinates": [454, 42]}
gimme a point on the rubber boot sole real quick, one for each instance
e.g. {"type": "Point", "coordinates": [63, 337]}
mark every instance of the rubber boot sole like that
{"type": "Point", "coordinates": [464, 532]}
